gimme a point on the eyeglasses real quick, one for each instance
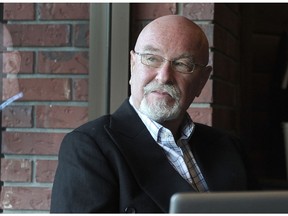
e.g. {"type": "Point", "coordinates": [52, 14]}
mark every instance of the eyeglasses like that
{"type": "Point", "coordinates": [182, 65]}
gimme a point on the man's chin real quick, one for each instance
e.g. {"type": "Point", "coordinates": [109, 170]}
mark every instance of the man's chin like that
{"type": "Point", "coordinates": [159, 113]}
{"type": "Point", "coordinates": [160, 102]}
{"type": "Point", "coordinates": [160, 96]}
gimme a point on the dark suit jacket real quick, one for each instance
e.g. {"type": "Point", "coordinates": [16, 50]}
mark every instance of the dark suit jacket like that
{"type": "Point", "coordinates": [112, 164]}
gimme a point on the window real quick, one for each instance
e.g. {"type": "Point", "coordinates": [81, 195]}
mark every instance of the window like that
{"type": "Point", "coordinates": [108, 57]}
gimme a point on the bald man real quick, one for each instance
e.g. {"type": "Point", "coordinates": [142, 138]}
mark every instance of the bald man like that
{"type": "Point", "coordinates": [135, 159]}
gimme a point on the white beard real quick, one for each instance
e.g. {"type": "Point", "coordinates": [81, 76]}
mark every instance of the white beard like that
{"type": "Point", "coordinates": [160, 110]}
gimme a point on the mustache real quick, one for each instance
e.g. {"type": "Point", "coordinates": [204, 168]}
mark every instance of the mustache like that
{"type": "Point", "coordinates": [172, 90]}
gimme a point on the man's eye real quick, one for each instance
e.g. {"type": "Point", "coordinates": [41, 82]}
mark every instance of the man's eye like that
{"type": "Point", "coordinates": [180, 64]}
{"type": "Point", "coordinates": [152, 58]}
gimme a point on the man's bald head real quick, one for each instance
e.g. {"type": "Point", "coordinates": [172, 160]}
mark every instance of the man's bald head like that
{"type": "Point", "coordinates": [177, 30]}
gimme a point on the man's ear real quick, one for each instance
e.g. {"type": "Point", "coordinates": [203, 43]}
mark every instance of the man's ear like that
{"type": "Point", "coordinates": [132, 61]}
{"type": "Point", "coordinates": [11, 62]}
{"type": "Point", "coordinates": [132, 64]}
{"type": "Point", "coordinates": [204, 76]}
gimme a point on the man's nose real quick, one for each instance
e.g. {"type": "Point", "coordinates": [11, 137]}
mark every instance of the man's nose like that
{"type": "Point", "coordinates": [165, 73]}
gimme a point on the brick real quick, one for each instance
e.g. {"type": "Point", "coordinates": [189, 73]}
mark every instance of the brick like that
{"type": "Point", "coordinates": [224, 94]}
{"type": "Point", "coordinates": [231, 67]}
{"type": "Point", "coordinates": [63, 62]}
{"type": "Point", "coordinates": [42, 89]}
{"type": "Point", "coordinates": [81, 35]}
{"type": "Point", "coordinates": [35, 35]}
{"type": "Point", "coordinates": [61, 11]}
{"type": "Point", "coordinates": [17, 117]}
{"type": "Point", "coordinates": [146, 11]}
{"type": "Point", "coordinates": [226, 42]}
{"type": "Point", "coordinates": [31, 143]}
{"type": "Point", "coordinates": [16, 170]}
{"type": "Point", "coordinates": [228, 19]}
{"type": "Point", "coordinates": [25, 198]}
{"type": "Point", "coordinates": [80, 90]}
{"type": "Point", "coordinates": [45, 170]}
{"type": "Point", "coordinates": [10, 87]}
{"type": "Point", "coordinates": [206, 94]}
{"type": "Point", "coordinates": [199, 11]}
{"type": "Point", "coordinates": [27, 62]}
{"type": "Point", "coordinates": [60, 116]}
{"type": "Point", "coordinates": [201, 115]}
{"type": "Point", "coordinates": [19, 11]}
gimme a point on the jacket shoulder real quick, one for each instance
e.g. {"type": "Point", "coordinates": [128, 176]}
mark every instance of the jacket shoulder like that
{"type": "Point", "coordinates": [91, 127]}
{"type": "Point", "coordinates": [212, 133]}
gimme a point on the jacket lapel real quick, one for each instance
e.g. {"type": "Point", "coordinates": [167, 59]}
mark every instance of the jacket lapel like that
{"type": "Point", "coordinates": [145, 157]}
{"type": "Point", "coordinates": [210, 145]}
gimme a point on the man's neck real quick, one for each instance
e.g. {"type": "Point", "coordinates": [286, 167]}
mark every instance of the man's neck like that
{"type": "Point", "coordinates": [174, 126]}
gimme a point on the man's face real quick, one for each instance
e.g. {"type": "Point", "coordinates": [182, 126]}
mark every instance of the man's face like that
{"type": "Point", "coordinates": [163, 93]}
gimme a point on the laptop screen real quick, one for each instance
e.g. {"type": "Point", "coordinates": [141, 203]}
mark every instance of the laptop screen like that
{"type": "Point", "coordinates": [230, 202]}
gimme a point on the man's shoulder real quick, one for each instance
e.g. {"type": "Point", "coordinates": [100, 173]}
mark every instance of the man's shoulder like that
{"type": "Point", "coordinates": [88, 134]}
{"type": "Point", "coordinates": [94, 125]}
{"type": "Point", "coordinates": [209, 139]}
{"type": "Point", "coordinates": [213, 133]}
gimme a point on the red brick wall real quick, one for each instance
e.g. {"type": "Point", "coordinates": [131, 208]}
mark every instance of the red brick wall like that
{"type": "Point", "coordinates": [226, 63]}
{"type": "Point", "coordinates": [53, 42]}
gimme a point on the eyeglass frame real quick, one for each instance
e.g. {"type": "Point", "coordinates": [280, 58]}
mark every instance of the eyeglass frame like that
{"type": "Point", "coordinates": [170, 61]}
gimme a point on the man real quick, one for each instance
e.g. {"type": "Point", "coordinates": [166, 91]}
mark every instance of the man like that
{"type": "Point", "coordinates": [135, 159]}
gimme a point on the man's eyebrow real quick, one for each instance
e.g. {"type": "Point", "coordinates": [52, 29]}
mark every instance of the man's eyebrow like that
{"type": "Point", "coordinates": [185, 56]}
{"type": "Point", "coordinates": [149, 48]}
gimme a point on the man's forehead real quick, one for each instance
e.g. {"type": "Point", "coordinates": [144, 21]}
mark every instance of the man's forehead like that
{"type": "Point", "coordinates": [154, 50]}
{"type": "Point", "coordinates": [150, 48]}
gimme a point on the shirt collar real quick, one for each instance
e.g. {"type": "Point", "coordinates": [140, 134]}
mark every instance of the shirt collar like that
{"type": "Point", "coordinates": [157, 131]}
